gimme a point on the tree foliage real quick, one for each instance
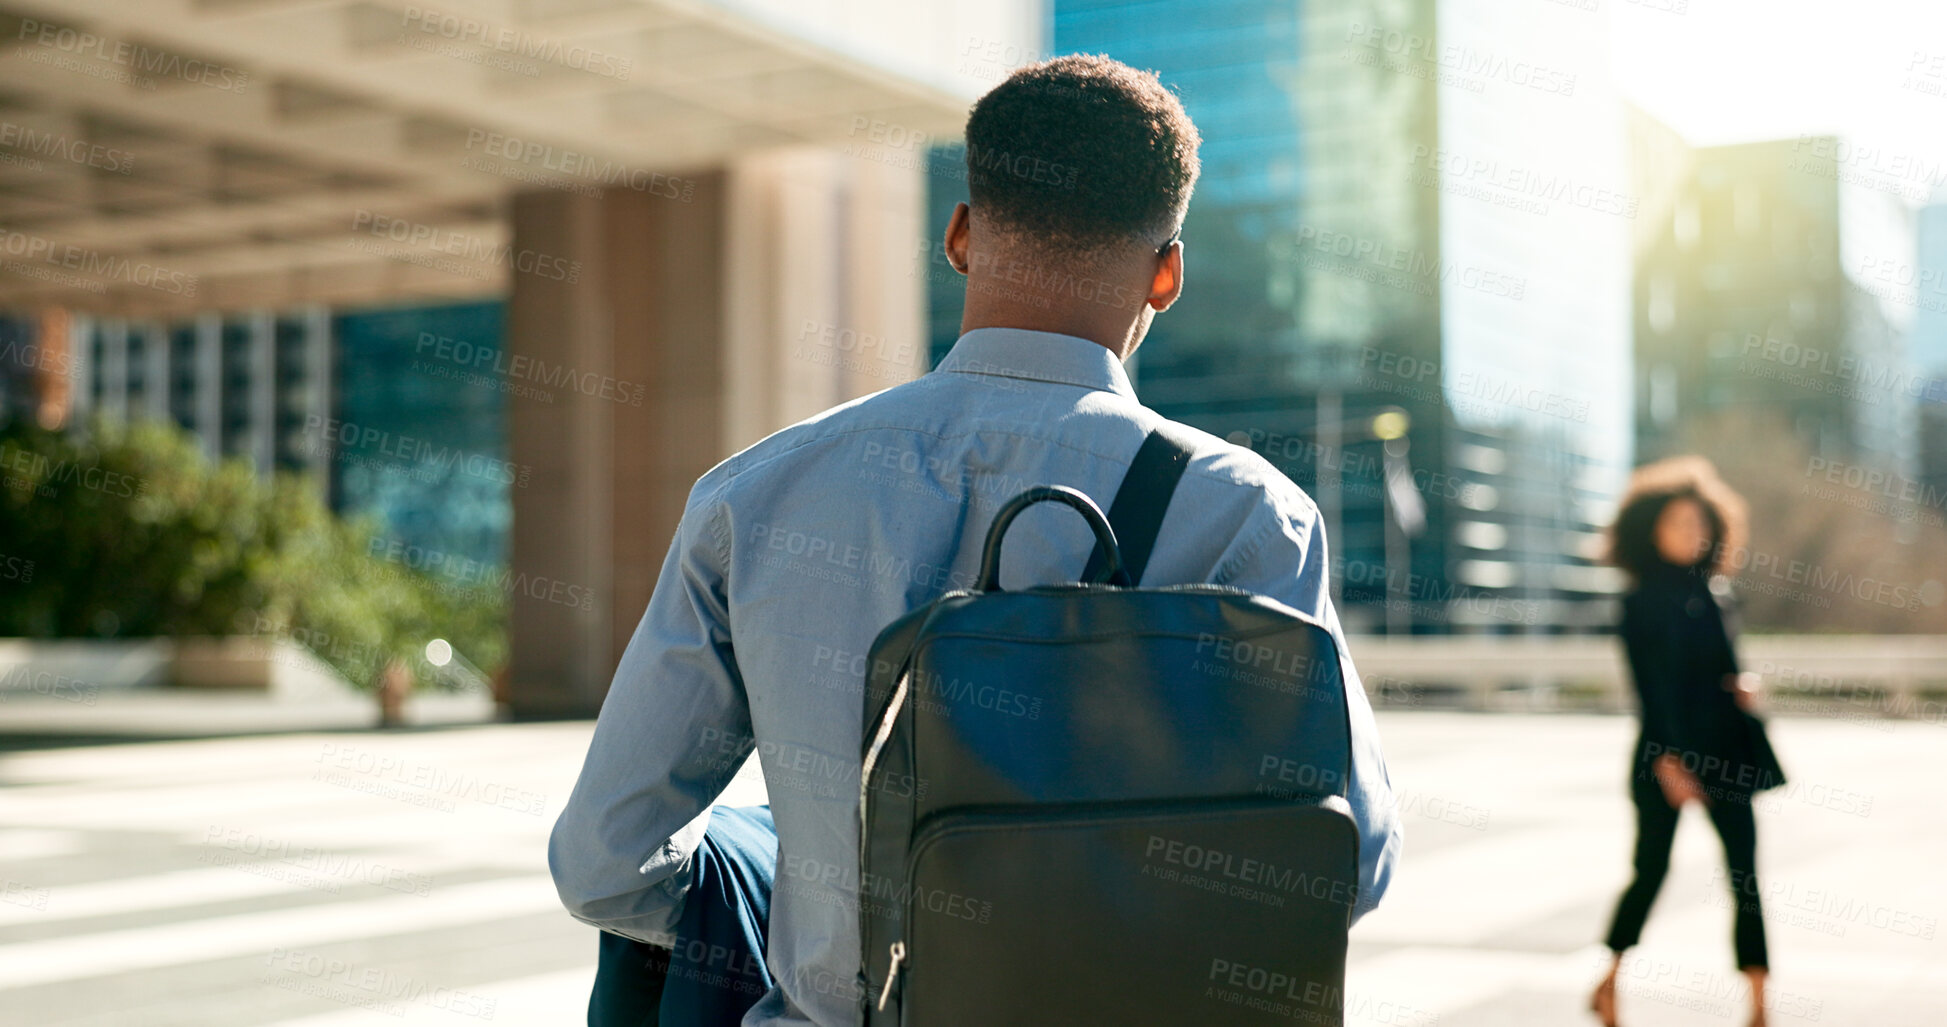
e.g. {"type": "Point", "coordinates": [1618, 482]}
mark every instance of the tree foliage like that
{"type": "Point", "coordinates": [131, 532]}
{"type": "Point", "coordinates": [1836, 544]}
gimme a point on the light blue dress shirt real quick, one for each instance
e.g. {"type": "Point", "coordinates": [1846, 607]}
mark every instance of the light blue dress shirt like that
{"type": "Point", "coordinates": [790, 558]}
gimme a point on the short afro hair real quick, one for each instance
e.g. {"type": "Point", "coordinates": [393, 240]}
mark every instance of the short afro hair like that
{"type": "Point", "coordinates": [1082, 153]}
{"type": "Point", "coordinates": [1632, 539]}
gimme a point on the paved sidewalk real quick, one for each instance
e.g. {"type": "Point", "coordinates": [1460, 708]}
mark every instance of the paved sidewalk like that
{"type": "Point", "coordinates": [338, 879]}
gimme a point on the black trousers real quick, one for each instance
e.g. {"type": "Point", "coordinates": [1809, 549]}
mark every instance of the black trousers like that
{"type": "Point", "coordinates": [1656, 829]}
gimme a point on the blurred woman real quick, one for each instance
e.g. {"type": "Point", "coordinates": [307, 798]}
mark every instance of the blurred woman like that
{"type": "Point", "coordinates": [1676, 530]}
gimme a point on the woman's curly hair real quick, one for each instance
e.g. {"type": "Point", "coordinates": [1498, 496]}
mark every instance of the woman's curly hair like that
{"type": "Point", "coordinates": [1632, 538]}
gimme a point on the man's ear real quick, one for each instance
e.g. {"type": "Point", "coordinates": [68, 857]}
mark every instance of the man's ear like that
{"type": "Point", "coordinates": [1167, 285]}
{"type": "Point", "coordinates": [957, 232]}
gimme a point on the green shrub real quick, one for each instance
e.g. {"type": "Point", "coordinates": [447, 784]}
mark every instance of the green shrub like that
{"type": "Point", "coordinates": [131, 532]}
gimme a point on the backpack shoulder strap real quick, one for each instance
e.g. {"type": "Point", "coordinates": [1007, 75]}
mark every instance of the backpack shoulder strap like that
{"type": "Point", "coordinates": [1136, 515]}
{"type": "Point", "coordinates": [1137, 512]}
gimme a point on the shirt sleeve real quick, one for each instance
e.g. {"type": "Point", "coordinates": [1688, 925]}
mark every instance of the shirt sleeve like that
{"type": "Point", "coordinates": [1281, 554]}
{"type": "Point", "coordinates": [672, 732]}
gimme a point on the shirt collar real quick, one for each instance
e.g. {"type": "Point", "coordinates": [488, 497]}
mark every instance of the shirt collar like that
{"type": "Point", "coordinates": [1040, 357]}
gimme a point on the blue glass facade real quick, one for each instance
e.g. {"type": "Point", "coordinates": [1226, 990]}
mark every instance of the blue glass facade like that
{"type": "Point", "coordinates": [420, 440]}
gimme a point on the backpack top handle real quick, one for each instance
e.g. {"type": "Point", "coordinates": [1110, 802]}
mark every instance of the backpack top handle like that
{"type": "Point", "coordinates": [1112, 573]}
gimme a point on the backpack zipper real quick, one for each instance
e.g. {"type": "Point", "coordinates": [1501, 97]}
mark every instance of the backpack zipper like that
{"type": "Point", "coordinates": [898, 952]}
{"type": "Point", "coordinates": [879, 739]}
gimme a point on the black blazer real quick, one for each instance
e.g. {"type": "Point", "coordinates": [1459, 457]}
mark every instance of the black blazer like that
{"type": "Point", "coordinates": [1680, 639]}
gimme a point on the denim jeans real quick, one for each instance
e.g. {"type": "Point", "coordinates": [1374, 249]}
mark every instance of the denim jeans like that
{"type": "Point", "coordinates": [716, 970]}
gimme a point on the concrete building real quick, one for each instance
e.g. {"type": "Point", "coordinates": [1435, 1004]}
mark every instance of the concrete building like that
{"type": "Point", "coordinates": [1775, 279]}
{"type": "Point", "coordinates": [673, 195]}
{"type": "Point", "coordinates": [245, 383]}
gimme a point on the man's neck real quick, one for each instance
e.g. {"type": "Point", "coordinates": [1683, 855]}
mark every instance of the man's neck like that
{"type": "Point", "coordinates": [1116, 340]}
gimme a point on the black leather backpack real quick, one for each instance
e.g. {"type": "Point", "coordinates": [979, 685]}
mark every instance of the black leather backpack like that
{"type": "Point", "coordinates": [1120, 805]}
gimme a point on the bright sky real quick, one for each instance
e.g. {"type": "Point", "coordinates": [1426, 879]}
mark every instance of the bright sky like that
{"type": "Point", "coordinates": [1724, 71]}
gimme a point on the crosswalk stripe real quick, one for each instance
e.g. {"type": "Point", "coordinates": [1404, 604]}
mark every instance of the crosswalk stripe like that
{"type": "Point", "coordinates": [544, 1000]}
{"type": "Point", "coordinates": [112, 952]}
{"type": "Point", "coordinates": [403, 871]}
{"type": "Point", "coordinates": [38, 843]}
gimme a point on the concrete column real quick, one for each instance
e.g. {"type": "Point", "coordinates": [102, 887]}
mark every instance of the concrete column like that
{"type": "Point", "coordinates": [114, 368]}
{"type": "Point", "coordinates": [781, 287]}
{"type": "Point", "coordinates": [625, 368]}
{"type": "Point", "coordinates": [825, 299]}
{"type": "Point", "coordinates": [319, 370]}
{"type": "Point", "coordinates": [209, 383]}
{"type": "Point", "coordinates": [262, 325]}
{"type": "Point", "coordinates": [155, 374]}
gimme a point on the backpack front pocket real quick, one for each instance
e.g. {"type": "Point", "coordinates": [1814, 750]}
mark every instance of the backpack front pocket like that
{"type": "Point", "coordinates": [1192, 911]}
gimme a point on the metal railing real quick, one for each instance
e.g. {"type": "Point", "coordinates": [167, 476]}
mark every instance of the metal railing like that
{"type": "Point", "coordinates": [1900, 676]}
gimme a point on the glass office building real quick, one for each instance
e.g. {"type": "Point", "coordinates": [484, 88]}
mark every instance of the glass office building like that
{"type": "Point", "coordinates": [1775, 286]}
{"type": "Point", "coordinates": [1535, 229]}
{"type": "Point", "coordinates": [421, 433]}
{"type": "Point", "coordinates": [244, 384]}
{"type": "Point", "coordinates": [399, 414]}
{"type": "Point", "coordinates": [1342, 274]}
{"type": "Point", "coordinates": [1929, 350]}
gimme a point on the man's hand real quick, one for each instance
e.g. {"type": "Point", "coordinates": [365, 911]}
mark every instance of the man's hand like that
{"type": "Point", "coordinates": [1679, 785]}
{"type": "Point", "coordinates": [1746, 690]}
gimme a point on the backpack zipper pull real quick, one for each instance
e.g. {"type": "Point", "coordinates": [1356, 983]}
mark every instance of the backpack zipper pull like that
{"type": "Point", "coordinates": [892, 973]}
